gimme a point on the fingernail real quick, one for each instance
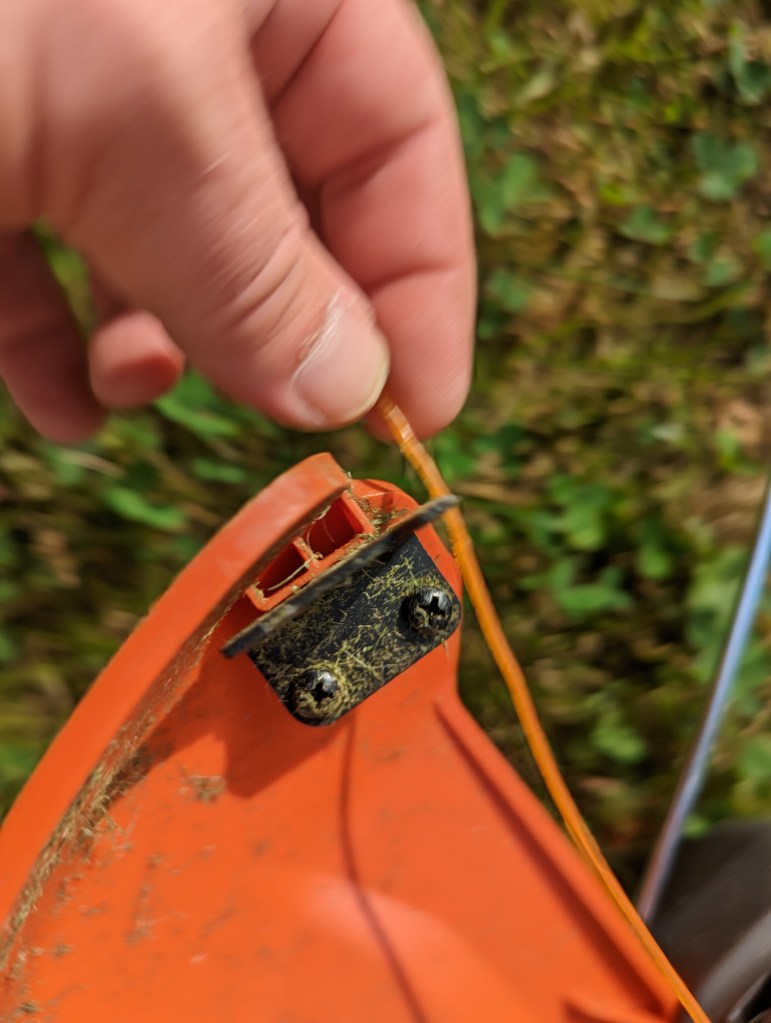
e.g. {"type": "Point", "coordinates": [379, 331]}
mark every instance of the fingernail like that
{"type": "Point", "coordinates": [345, 369]}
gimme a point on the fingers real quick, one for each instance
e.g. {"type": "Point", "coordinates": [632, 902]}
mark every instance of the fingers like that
{"type": "Point", "coordinates": [42, 352]}
{"type": "Point", "coordinates": [57, 382]}
{"type": "Point", "coordinates": [367, 123]}
{"type": "Point", "coordinates": [175, 190]}
{"type": "Point", "coordinates": [132, 360]}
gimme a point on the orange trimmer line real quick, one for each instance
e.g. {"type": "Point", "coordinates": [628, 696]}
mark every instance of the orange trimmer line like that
{"type": "Point", "coordinates": [464, 553]}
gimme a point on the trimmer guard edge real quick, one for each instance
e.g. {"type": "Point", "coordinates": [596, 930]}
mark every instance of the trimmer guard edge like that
{"type": "Point", "coordinates": [188, 851]}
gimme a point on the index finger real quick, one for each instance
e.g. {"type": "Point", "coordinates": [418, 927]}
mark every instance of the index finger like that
{"type": "Point", "coordinates": [363, 112]}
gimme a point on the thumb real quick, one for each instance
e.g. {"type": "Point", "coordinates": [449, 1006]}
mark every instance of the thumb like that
{"type": "Point", "coordinates": [177, 194]}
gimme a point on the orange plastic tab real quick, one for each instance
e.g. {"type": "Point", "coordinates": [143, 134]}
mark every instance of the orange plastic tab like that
{"type": "Point", "coordinates": [188, 851]}
{"type": "Point", "coordinates": [327, 540]}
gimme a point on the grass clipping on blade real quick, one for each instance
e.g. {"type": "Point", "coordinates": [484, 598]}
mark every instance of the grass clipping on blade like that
{"type": "Point", "coordinates": [463, 551]}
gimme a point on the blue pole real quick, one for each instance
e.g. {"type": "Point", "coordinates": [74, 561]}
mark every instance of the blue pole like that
{"type": "Point", "coordinates": [693, 775]}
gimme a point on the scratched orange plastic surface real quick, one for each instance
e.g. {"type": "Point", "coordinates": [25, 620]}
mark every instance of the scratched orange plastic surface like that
{"type": "Point", "coordinates": [186, 851]}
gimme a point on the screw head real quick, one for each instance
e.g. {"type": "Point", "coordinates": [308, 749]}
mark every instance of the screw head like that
{"type": "Point", "coordinates": [322, 684]}
{"type": "Point", "coordinates": [428, 611]}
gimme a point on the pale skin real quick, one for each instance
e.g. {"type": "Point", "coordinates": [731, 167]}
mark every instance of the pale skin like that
{"type": "Point", "coordinates": [272, 190]}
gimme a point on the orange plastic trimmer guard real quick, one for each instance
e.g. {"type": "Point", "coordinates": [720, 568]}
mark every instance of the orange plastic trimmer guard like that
{"type": "Point", "coordinates": [187, 851]}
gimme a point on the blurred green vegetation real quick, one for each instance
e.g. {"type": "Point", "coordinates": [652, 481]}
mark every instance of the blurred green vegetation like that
{"type": "Point", "coordinates": [612, 454]}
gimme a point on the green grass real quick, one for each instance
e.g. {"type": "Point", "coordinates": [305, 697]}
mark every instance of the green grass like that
{"type": "Point", "coordinates": [612, 453]}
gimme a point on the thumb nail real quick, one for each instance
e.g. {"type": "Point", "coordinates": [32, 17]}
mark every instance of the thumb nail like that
{"type": "Point", "coordinates": [345, 368]}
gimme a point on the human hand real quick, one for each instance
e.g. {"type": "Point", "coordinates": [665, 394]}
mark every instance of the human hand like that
{"type": "Point", "coordinates": [253, 184]}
